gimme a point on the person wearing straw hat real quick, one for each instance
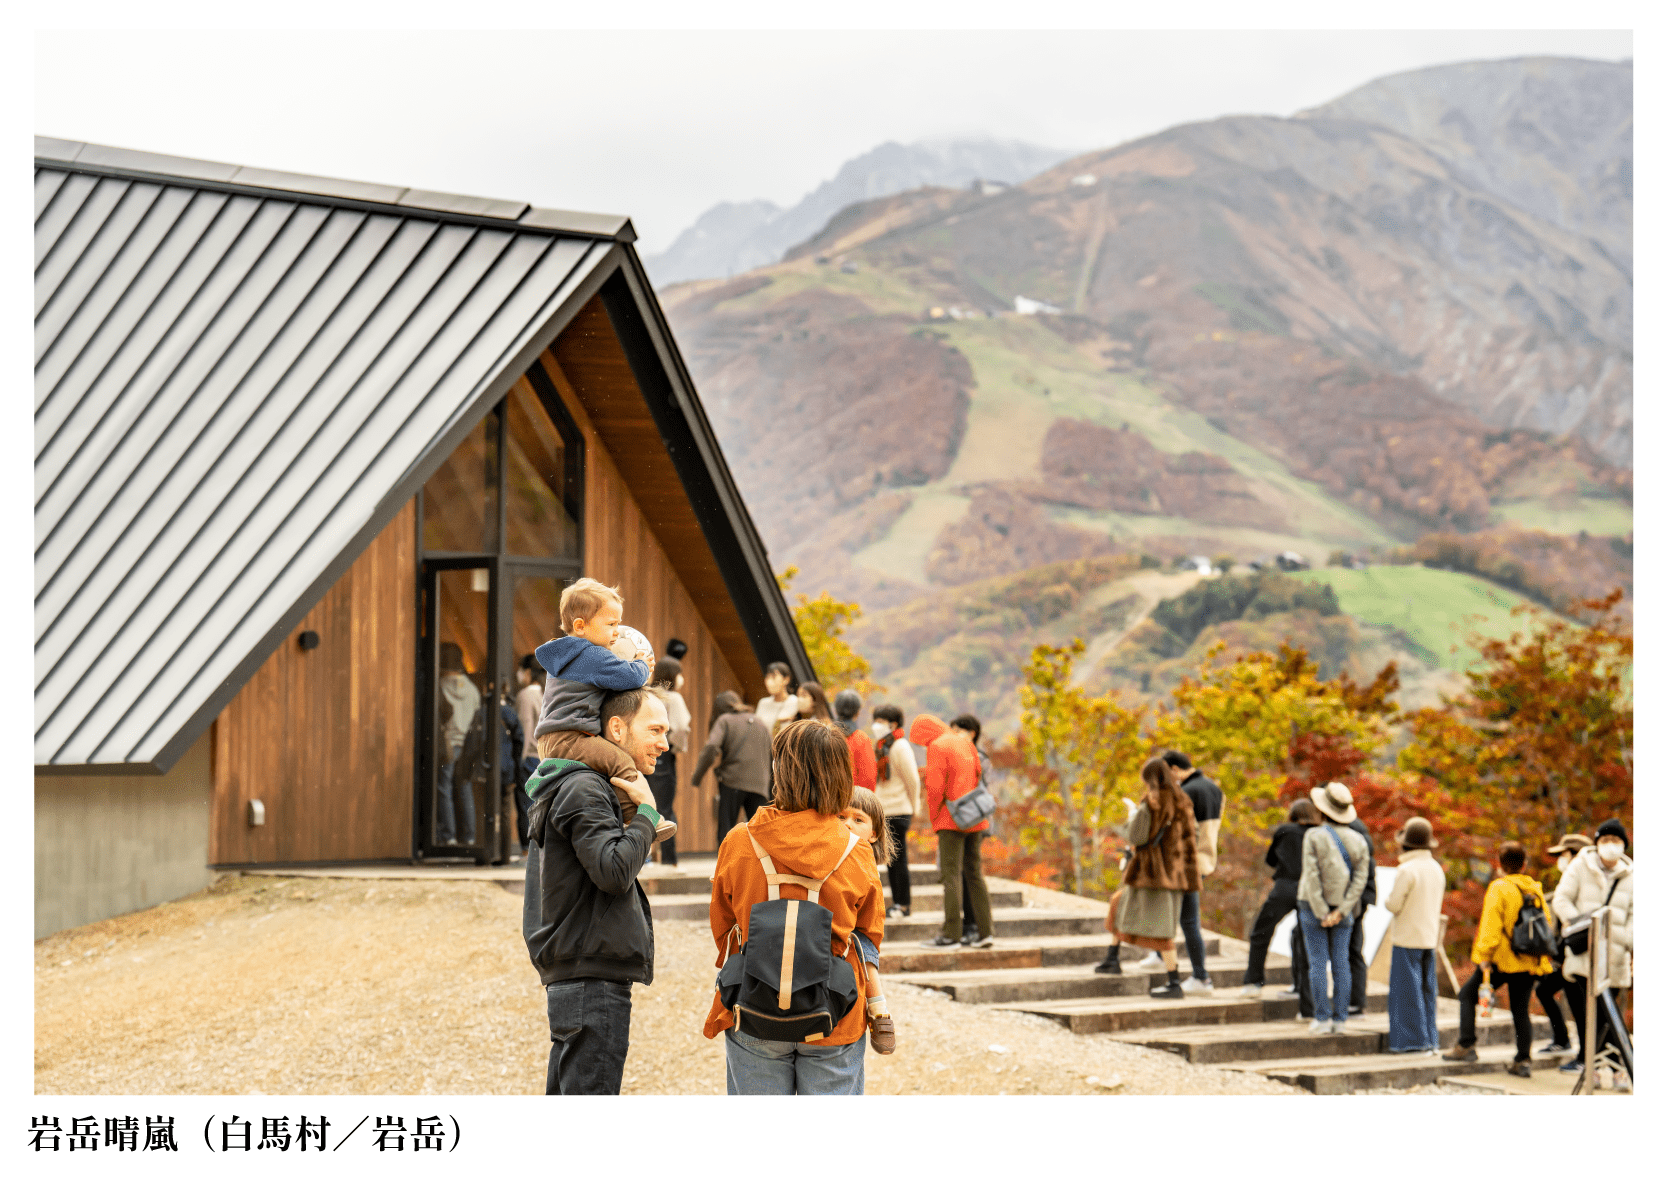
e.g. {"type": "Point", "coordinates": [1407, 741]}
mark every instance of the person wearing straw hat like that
{"type": "Point", "coordinates": [1561, 853]}
{"type": "Point", "coordinates": [1336, 863]}
{"type": "Point", "coordinates": [1416, 901]}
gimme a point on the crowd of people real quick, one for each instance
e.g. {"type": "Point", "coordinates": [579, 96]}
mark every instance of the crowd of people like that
{"type": "Point", "coordinates": [812, 807]}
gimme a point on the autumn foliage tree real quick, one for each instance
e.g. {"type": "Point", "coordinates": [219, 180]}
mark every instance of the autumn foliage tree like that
{"type": "Point", "coordinates": [1081, 754]}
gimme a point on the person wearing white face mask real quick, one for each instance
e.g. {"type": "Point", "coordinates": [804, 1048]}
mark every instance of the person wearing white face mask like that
{"type": "Point", "coordinates": [898, 783]}
{"type": "Point", "coordinates": [1564, 851]}
{"type": "Point", "coordinates": [1598, 877]}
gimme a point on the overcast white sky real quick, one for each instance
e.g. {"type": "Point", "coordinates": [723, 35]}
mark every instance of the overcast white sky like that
{"type": "Point", "coordinates": [661, 125]}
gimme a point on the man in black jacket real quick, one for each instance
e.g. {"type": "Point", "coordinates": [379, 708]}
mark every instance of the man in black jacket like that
{"type": "Point", "coordinates": [1285, 856]}
{"type": "Point", "coordinates": [584, 916]}
{"type": "Point", "coordinates": [1206, 797]}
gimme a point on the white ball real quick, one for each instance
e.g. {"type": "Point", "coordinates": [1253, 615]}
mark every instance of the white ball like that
{"type": "Point", "coordinates": [631, 643]}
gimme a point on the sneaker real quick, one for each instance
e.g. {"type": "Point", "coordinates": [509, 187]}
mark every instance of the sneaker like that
{"type": "Point", "coordinates": [941, 942]}
{"type": "Point", "coordinates": [1357, 1011]}
{"type": "Point", "coordinates": [1337, 1027]}
{"type": "Point", "coordinates": [1320, 1027]}
{"type": "Point", "coordinates": [664, 830]}
{"type": "Point", "coordinates": [1170, 991]}
{"type": "Point", "coordinates": [882, 1038]}
{"type": "Point", "coordinates": [895, 911]}
{"type": "Point", "coordinates": [1198, 986]}
{"type": "Point", "coordinates": [1571, 1066]}
{"type": "Point", "coordinates": [969, 936]}
{"type": "Point", "coordinates": [1252, 991]}
{"type": "Point", "coordinates": [1554, 1049]}
{"type": "Point", "coordinates": [1519, 1068]}
{"type": "Point", "coordinates": [1151, 962]}
{"type": "Point", "coordinates": [980, 943]}
{"type": "Point", "coordinates": [1461, 1055]}
{"type": "Point", "coordinates": [1290, 993]}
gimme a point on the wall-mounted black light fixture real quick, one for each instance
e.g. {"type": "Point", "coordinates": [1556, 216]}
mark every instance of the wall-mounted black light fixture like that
{"type": "Point", "coordinates": [309, 639]}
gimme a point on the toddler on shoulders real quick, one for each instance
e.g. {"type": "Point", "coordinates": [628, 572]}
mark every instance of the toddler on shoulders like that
{"type": "Point", "coordinates": [582, 670]}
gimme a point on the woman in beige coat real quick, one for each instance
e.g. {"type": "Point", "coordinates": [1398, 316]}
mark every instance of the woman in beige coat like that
{"type": "Point", "coordinates": [1416, 901]}
{"type": "Point", "coordinates": [1599, 877]}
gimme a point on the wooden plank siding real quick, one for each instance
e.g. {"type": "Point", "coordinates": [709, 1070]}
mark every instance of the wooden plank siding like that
{"type": "Point", "coordinates": [324, 737]}
{"type": "Point", "coordinates": [589, 355]}
{"type": "Point", "coordinates": [623, 549]}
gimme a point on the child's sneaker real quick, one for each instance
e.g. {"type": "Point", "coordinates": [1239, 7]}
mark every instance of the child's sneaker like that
{"type": "Point", "coordinates": [664, 830]}
{"type": "Point", "coordinates": [882, 1038]}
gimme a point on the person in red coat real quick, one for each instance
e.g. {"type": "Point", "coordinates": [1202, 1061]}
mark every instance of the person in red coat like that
{"type": "Point", "coordinates": [953, 770]}
{"type": "Point", "coordinates": [847, 705]}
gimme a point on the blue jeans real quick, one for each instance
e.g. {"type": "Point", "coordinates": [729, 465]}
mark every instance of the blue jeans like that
{"type": "Point", "coordinates": [590, 1030]}
{"type": "Point", "coordinates": [1327, 946]}
{"type": "Point", "coordinates": [754, 1067]}
{"type": "Point", "coordinates": [445, 831]}
{"type": "Point", "coordinates": [1412, 1000]}
{"type": "Point", "coordinates": [1190, 934]}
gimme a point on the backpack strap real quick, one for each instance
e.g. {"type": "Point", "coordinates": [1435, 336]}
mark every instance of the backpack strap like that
{"type": "Point", "coordinates": [774, 880]}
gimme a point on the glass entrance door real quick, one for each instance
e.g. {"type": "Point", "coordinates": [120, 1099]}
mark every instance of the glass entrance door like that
{"type": "Point", "coordinates": [500, 527]}
{"type": "Point", "coordinates": [457, 815]}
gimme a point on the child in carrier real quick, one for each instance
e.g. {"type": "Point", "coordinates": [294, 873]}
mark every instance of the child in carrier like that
{"type": "Point", "coordinates": [582, 669]}
{"type": "Point", "coordinates": [866, 817]}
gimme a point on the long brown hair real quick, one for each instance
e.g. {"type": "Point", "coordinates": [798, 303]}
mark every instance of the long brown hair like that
{"type": "Point", "coordinates": [1166, 799]}
{"type": "Point", "coordinates": [819, 703]}
{"type": "Point", "coordinates": [813, 768]}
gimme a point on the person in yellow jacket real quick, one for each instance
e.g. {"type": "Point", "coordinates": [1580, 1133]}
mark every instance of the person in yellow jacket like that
{"type": "Point", "coordinates": [1492, 952]}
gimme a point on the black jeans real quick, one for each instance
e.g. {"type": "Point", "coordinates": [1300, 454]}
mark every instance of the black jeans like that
{"type": "Point", "coordinates": [1280, 902]}
{"type": "Point", "coordinates": [590, 1030]}
{"type": "Point", "coordinates": [897, 872]}
{"type": "Point", "coordinates": [663, 784]}
{"type": "Point", "coordinates": [1519, 986]}
{"type": "Point", "coordinates": [731, 802]}
{"type": "Point", "coordinates": [1190, 933]}
{"type": "Point", "coordinates": [1575, 989]}
{"type": "Point", "coordinates": [1547, 992]}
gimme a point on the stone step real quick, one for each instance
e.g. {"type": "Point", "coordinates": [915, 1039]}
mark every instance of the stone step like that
{"type": "Point", "coordinates": [919, 874]}
{"type": "Point", "coordinates": [1364, 1035]}
{"type": "Point", "coordinates": [1132, 1013]}
{"type": "Point", "coordinates": [676, 884]}
{"type": "Point", "coordinates": [929, 898]}
{"type": "Point", "coordinates": [1008, 922]}
{"type": "Point", "coordinates": [928, 903]}
{"type": "Point", "coordinates": [901, 955]}
{"type": "Point", "coordinates": [1062, 982]}
{"type": "Point", "coordinates": [1334, 1075]}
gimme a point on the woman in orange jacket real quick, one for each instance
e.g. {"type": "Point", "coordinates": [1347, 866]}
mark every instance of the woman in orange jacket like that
{"type": "Point", "coordinates": [802, 834]}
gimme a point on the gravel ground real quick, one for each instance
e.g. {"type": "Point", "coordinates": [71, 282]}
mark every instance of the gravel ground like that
{"type": "Point", "coordinates": [260, 985]}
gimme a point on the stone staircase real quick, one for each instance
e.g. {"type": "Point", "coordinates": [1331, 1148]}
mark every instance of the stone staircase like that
{"type": "Point", "coordinates": [1042, 964]}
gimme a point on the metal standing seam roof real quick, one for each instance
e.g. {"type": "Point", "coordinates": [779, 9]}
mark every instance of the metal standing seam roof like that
{"type": "Point", "coordinates": [234, 371]}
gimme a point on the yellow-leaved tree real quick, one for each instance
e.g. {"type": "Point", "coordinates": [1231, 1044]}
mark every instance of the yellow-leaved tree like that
{"type": "Point", "coordinates": [1082, 753]}
{"type": "Point", "coordinates": [821, 621]}
{"type": "Point", "coordinates": [1240, 718]}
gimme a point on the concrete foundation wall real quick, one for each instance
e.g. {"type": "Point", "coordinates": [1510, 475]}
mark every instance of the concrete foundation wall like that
{"type": "Point", "coordinates": [109, 845]}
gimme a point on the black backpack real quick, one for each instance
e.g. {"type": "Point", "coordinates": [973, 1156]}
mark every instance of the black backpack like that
{"type": "Point", "coordinates": [472, 757]}
{"type": "Point", "coordinates": [784, 983]}
{"type": "Point", "coordinates": [1532, 932]}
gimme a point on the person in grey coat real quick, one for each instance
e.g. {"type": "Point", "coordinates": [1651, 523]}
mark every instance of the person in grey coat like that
{"type": "Point", "coordinates": [1336, 864]}
{"type": "Point", "coordinates": [739, 745]}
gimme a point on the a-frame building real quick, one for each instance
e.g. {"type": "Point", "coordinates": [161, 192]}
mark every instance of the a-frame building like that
{"type": "Point", "coordinates": [295, 439]}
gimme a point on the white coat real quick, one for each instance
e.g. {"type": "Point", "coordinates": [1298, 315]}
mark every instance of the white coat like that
{"type": "Point", "coordinates": [1581, 891]}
